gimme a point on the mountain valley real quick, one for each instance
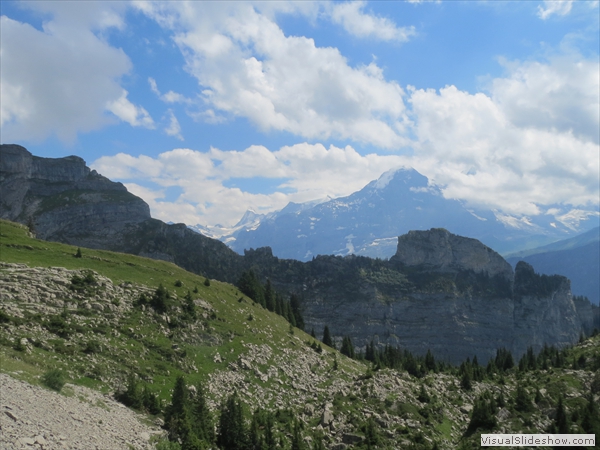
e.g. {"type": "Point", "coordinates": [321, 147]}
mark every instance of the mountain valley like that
{"type": "Point", "coordinates": [94, 288]}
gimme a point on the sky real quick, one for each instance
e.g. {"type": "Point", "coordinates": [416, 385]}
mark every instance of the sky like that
{"type": "Point", "coordinates": [208, 109]}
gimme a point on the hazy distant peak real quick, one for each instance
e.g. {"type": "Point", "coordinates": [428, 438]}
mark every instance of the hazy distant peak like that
{"type": "Point", "coordinates": [249, 217]}
{"type": "Point", "coordinates": [407, 175]}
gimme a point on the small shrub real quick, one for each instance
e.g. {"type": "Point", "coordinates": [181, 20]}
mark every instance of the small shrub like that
{"type": "Point", "coordinates": [92, 346]}
{"type": "Point", "coordinates": [206, 282]}
{"type": "Point", "coordinates": [178, 283]}
{"type": "Point", "coordinates": [19, 346]}
{"type": "Point", "coordinates": [4, 318]}
{"type": "Point", "coordinates": [77, 253]}
{"type": "Point", "coordinates": [54, 379]}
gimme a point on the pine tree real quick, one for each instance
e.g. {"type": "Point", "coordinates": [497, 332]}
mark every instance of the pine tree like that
{"type": "Point", "coordinates": [423, 396]}
{"type": "Point", "coordinates": [430, 362]}
{"type": "Point", "coordinates": [483, 415]}
{"type": "Point", "coordinates": [522, 400]}
{"type": "Point", "coordinates": [370, 352]}
{"type": "Point", "coordinates": [371, 435]}
{"type": "Point", "coordinates": [297, 443]}
{"type": "Point", "coordinates": [279, 304]}
{"type": "Point", "coordinates": [232, 430]}
{"type": "Point", "coordinates": [327, 337]}
{"type": "Point", "coordinates": [561, 420]}
{"type": "Point", "coordinates": [270, 442]}
{"type": "Point", "coordinates": [177, 420]}
{"type": "Point", "coordinates": [269, 296]}
{"type": "Point", "coordinates": [159, 299]}
{"type": "Point", "coordinates": [296, 311]}
{"type": "Point", "coordinates": [202, 421]}
{"type": "Point", "coordinates": [189, 308]}
{"type": "Point", "coordinates": [347, 347]}
{"type": "Point", "coordinates": [465, 381]}
{"type": "Point", "coordinates": [249, 285]}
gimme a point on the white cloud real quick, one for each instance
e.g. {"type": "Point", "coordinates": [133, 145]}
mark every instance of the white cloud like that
{"type": "Point", "coordinates": [351, 16]}
{"type": "Point", "coordinates": [533, 141]}
{"type": "Point", "coordinates": [174, 129]}
{"type": "Point", "coordinates": [306, 172]}
{"type": "Point", "coordinates": [551, 7]}
{"type": "Point", "coordinates": [126, 111]}
{"type": "Point", "coordinates": [562, 95]}
{"type": "Point", "coordinates": [247, 67]}
{"type": "Point", "coordinates": [169, 97]}
{"type": "Point", "coordinates": [58, 81]}
{"type": "Point", "coordinates": [529, 143]}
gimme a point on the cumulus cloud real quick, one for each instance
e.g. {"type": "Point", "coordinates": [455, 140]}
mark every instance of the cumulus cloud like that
{"type": "Point", "coordinates": [529, 142]}
{"type": "Point", "coordinates": [126, 111]}
{"type": "Point", "coordinates": [358, 23]}
{"type": "Point", "coordinates": [60, 81]}
{"type": "Point", "coordinates": [551, 7]}
{"type": "Point", "coordinates": [170, 96]}
{"type": "Point", "coordinates": [173, 129]}
{"type": "Point", "coordinates": [302, 172]}
{"type": "Point", "coordinates": [562, 95]}
{"type": "Point", "coordinates": [532, 141]}
{"type": "Point", "coordinates": [247, 67]}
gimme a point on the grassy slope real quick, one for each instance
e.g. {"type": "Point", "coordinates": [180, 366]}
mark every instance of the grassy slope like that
{"type": "Point", "coordinates": [148, 349]}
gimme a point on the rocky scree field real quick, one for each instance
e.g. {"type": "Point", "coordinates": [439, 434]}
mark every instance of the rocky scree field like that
{"type": "Point", "coordinates": [82, 317]}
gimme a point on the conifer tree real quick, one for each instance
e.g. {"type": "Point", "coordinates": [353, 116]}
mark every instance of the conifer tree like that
{"type": "Point", "coordinates": [177, 420]}
{"type": "Point", "coordinates": [269, 296]}
{"type": "Point", "coordinates": [202, 421]}
{"type": "Point", "coordinates": [279, 304]}
{"type": "Point", "coordinates": [159, 299]}
{"type": "Point", "coordinates": [430, 362]}
{"type": "Point", "coordinates": [296, 311]}
{"type": "Point", "coordinates": [270, 442]}
{"type": "Point", "coordinates": [483, 415]}
{"type": "Point", "coordinates": [232, 430]}
{"type": "Point", "coordinates": [189, 308]}
{"type": "Point", "coordinates": [327, 337]}
{"type": "Point", "coordinates": [371, 435]}
{"type": "Point", "coordinates": [249, 285]}
{"type": "Point", "coordinates": [297, 443]}
{"type": "Point", "coordinates": [370, 351]}
{"type": "Point", "coordinates": [561, 420]}
{"type": "Point", "coordinates": [347, 347]}
{"type": "Point", "coordinates": [522, 400]}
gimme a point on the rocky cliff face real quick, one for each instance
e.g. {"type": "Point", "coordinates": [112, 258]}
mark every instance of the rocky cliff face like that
{"type": "Point", "coordinates": [440, 251]}
{"type": "Point", "coordinates": [446, 293]}
{"type": "Point", "coordinates": [67, 202]}
{"type": "Point", "coordinates": [64, 200]}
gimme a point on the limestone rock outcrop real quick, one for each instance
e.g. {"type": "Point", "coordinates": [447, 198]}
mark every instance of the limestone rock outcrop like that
{"type": "Point", "coordinates": [64, 200]}
{"type": "Point", "coordinates": [439, 250]}
{"type": "Point", "coordinates": [445, 293]}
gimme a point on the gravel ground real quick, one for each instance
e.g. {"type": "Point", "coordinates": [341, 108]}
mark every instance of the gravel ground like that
{"type": "Point", "coordinates": [32, 417]}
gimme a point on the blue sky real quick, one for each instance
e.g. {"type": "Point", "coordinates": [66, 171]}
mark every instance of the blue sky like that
{"type": "Point", "coordinates": [207, 109]}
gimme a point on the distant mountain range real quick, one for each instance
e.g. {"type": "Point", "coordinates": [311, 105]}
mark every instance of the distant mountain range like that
{"type": "Point", "coordinates": [577, 258]}
{"type": "Point", "coordinates": [439, 291]}
{"type": "Point", "coordinates": [369, 221]}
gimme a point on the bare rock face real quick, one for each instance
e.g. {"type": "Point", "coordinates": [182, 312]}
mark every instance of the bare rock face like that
{"type": "Point", "coordinates": [445, 293]}
{"type": "Point", "coordinates": [64, 200]}
{"type": "Point", "coordinates": [439, 250]}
